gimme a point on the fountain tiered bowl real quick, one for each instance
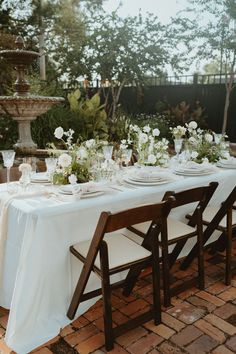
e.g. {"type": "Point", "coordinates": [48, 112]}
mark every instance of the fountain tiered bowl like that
{"type": "Point", "coordinates": [22, 106]}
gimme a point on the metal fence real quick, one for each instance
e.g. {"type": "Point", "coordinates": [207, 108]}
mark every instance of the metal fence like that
{"type": "Point", "coordinates": [196, 79]}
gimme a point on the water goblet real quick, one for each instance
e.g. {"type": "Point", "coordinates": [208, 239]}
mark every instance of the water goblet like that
{"type": "Point", "coordinates": [126, 155]}
{"type": "Point", "coordinates": [107, 151]}
{"type": "Point", "coordinates": [51, 164]}
{"type": "Point", "coordinates": [8, 160]}
{"type": "Point", "coordinates": [178, 146]}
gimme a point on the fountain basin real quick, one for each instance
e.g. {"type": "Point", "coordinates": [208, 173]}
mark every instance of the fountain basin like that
{"type": "Point", "coordinates": [24, 109]}
{"type": "Point", "coordinates": [19, 57]}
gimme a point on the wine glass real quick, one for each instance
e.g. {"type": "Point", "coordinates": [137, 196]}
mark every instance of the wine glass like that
{"type": "Point", "coordinates": [107, 151]}
{"type": "Point", "coordinates": [51, 164]}
{"type": "Point", "coordinates": [126, 155]}
{"type": "Point", "coordinates": [8, 160]}
{"type": "Point", "coordinates": [178, 146]}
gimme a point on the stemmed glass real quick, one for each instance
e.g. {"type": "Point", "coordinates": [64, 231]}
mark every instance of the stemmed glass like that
{"type": "Point", "coordinates": [178, 146]}
{"type": "Point", "coordinates": [126, 155]}
{"type": "Point", "coordinates": [8, 160]}
{"type": "Point", "coordinates": [107, 152]}
{"type": "Point", "coordinates": [51, 164]}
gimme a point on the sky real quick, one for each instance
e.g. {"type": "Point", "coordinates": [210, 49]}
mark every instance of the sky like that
{"type": "Point", "coordinates": [164, 9]}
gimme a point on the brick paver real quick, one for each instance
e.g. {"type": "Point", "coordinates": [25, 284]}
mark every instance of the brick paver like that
{"type": "Point", "coordinates": [197, 322]}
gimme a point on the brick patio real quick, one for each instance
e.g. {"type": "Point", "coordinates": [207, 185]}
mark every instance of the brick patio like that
{"type": "Point", "coordinates": [197, 322]}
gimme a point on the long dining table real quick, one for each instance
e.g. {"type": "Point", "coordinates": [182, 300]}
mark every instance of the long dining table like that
{"type": "Point", "coordinates": [37, 272]}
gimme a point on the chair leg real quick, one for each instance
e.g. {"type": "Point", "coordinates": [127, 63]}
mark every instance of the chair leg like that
{"type": "Point", "coordinates": [228, 268]}
{"type": "Point", "coordinates": [201, 271]}
{"type": "Point", "coordinates": [166, 274]}
{"type": "Point", "coordinates": [106, 292]}
{"type": "Point", "coordinates": [131, 279]}
{"type": "Point", "coordinates": [156, 283]}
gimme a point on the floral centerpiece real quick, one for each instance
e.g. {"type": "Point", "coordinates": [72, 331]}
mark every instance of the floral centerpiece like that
{"type": "Point", "coordinates": [151, 150]}
{"type": "Point", "coordinates": [74, 163]}
{"type": "Point", "coordinates": [204, 145]}
{"type": "Point", "coordinates": [178, 132]}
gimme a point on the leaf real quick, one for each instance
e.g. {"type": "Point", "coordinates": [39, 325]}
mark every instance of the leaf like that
{"type": "Point", "coordinates": [95, 100]}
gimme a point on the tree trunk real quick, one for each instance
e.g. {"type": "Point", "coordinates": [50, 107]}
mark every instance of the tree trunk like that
{"type": "Point", "coordinates": [115, 99]}
{"type": "Point", "coordinates": [229, 87]}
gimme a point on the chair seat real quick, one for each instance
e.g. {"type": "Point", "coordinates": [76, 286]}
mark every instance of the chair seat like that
{"type": "Point", "coordinates": [121, 250]}
{"type": "Point", "coordinates": [175, 228]}
{"type": "Point", "coordinates": [210, 212]}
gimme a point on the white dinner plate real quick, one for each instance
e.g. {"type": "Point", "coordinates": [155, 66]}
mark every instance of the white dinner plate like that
{"type": "Point", "coordinates": [39, 178]}
{"type": "Point", "coordinates": [67, 189]}
{"type": "Point", "coordinates": [84, 194]}
{"type": "Point", "coordinates": [193, 173]}
{"type": "Point", "coordinates": [146, 179]}
{"type": "Point", "coordinates": [226, 164]}
{"type": "Point", "coordinates": [145, 183]}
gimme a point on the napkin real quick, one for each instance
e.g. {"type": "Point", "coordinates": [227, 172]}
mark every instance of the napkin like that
{"type": "Point", "coordinates": [83, 188]}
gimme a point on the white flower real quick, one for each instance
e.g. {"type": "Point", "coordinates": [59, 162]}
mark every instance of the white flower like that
{"type": "Point", "coordinates": [82, 153]}
{"type": "Point", "coordinates": [58, 133]}
{"type": "Point", "coordinates": [72, 179]}
{"type": "Point", "coordinates": [64, 160]}
{"type": "Point", "coordinates": [192, 140]}
{"type": "Point", "coordinates": [208, 137]}
{"type": "Point", "coordinates": [143, 138]}
{"type": "Point", "coordinates": [90, 143]}
{"type": "Point", "coordinates": [152, 159]}
{"type": "Point", "coordinates": [25, 167]}
{"type": "Point", "coordinates": [218, 138]}
{"type": "Point", "coordinates": [134, 128]}
{"type": "Point", "coordinates": [194, 154]}
{"type": "Point", "coordinates": [156, 132]}
{"type": "Point", "coordinates": [192, 125]}
{"type": "Point", "coordinates": [146, 129]}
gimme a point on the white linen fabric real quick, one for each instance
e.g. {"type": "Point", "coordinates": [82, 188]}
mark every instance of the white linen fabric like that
{"type": "Point", "coordinates": [39, 273]}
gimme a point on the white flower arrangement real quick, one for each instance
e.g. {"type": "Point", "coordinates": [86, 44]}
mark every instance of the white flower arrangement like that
{"type": "Point", "coordinates": [74, 163]}
{"type": "Point", "coordinates": [178, 132]}
{"type": "Point", "coordinates": [151, 149]}
{"type": "Point", "coordinates": [204, 145]}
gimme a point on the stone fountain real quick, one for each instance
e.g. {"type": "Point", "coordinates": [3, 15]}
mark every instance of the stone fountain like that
{"type": "Point", "coordinates": [22, 106]}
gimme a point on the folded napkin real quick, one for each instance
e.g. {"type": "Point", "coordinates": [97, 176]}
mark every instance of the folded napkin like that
{"type": "Point", "coordinates": [83, 188]}
{"type": "Point", "coordinates": [191, 165]}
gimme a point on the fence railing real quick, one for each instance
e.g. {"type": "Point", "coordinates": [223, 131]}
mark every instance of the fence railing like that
{"type": "Point", "coordinates": [196, 79]}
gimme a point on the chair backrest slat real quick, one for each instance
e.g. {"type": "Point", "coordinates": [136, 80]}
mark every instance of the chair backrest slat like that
{"type": "Point", "coordinates": [193, 195]}
{"type": "Point", "coordinates": [138, 215]}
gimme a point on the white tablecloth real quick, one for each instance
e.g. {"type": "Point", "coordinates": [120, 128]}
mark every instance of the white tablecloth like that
{"type": "Point", "coordinates": [39, 273]}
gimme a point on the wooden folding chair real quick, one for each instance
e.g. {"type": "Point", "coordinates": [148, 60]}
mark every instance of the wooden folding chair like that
{"type": "Point", "coordinates": [118, 253]}
{"type": "Point", "coordinates": [178, 232]}
{"type": "Point", "coordinates": [221, 218]}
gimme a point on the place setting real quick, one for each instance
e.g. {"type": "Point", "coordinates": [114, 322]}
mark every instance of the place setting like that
{"type": "Point", "coordinates": [149, 176]}
{"type": "Point", "coordinates": [229, 163]}
{"type": "Point", "coordinates": [82, 190]}
{"type": "Point", "coordinates": [192, 168]}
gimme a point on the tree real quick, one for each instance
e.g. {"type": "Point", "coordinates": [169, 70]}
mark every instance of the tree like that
{"type": "Point", "coordinates": [211, 37]}
{"type": "Point", "coordinates": [63, 24]}
{"type": "Point", "coordinates": [123, 51]}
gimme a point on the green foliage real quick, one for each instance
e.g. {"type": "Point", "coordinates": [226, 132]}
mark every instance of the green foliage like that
{"type": "Point", "coordinates": [88, 117]}
{"type": "Point", "coordinates": [157, 120]}
{"type": "Point", "coordinates": [182, 113]}
{"type": "Point", "coordinates": [8, 132]}
{"type": "Point", "coordinates": [43, 127]}
{"type": "Point", "coordinates": [119, 127]}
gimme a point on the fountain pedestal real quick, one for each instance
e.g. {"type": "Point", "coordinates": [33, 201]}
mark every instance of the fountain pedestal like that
{"type": "Point", "coordinates": [22, 106]}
